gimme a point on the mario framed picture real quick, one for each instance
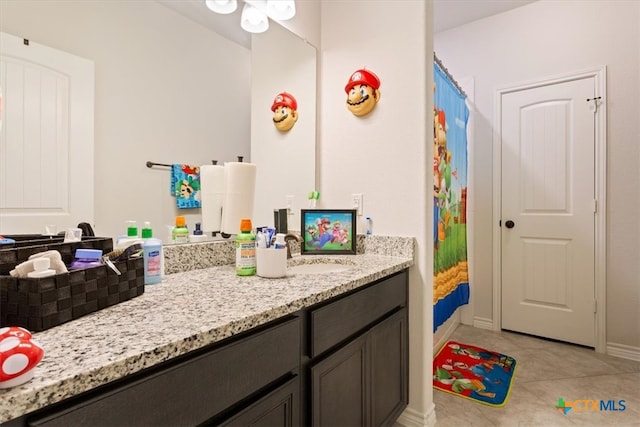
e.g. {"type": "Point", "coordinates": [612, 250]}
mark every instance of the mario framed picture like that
{"type": "Point", "coordinates": [363, 92]}
{"type": "Point", "coordinates": [285, 111]}
{"type": "Point", "coordinates": [328, 231]}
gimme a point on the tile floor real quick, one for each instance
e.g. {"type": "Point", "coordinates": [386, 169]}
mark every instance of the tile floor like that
{"type": "Point", "coordinates": [546, 370]}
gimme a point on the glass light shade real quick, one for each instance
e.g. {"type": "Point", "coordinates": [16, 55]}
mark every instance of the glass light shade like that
{"type": "Point", "coordinates": [253, 20]}
{"type": "Point", "coordinates": [281, 9]}
{"type": "Point", "coordinates": [222, 6]}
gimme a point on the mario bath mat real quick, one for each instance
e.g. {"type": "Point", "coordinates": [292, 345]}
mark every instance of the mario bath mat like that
{"type": "Point", "coordinates": [473, 372]}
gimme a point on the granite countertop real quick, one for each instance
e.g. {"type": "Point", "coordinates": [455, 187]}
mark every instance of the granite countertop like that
{"type": "Point", "coordinates": [187, 311]}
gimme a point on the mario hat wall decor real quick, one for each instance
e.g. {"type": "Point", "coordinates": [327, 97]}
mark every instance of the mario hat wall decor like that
{"type": "Point", "coordinates": [363, 92]}
{"type": "Point", "coordinates": [285, 111]}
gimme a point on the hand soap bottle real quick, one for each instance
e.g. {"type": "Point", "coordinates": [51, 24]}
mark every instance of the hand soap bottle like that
{"type": "Point", "coordinates": [245, 249]}
{"type": "Point", "coordinates": [152, 255]}
{"type": "Point", "coordinates": [131, 238]}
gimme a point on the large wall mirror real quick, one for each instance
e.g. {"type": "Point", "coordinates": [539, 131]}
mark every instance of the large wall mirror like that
{"type": "Point", "coordinates": [170, 89]}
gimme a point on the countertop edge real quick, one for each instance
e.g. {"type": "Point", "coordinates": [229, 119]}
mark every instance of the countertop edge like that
{"type": "Point", "coordinates": [29, 399]}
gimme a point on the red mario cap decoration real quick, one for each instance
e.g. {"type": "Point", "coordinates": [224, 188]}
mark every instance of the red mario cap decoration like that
{"type": "Point", "coordinates": [285, 99]}
{"type": "Point", "coordinates": [285, 112]}
{"type": "Point", "coordinates": [363, 92]}
{"type": "Point", "coordinates": [362, 77]}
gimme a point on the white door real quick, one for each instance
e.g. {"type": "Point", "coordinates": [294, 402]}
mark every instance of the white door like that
{"type": "Point", "coordinates": [548, 211]}
{"type": "Point", "coordinates": [46, 140]}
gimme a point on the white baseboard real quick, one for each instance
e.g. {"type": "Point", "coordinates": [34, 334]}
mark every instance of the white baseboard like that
{"type": "Point", "coordinates": [623, 351]}
{"type": "Point", "coordinates": [483, 323]}
{"type": "Point", "coordinates": [413, 418]}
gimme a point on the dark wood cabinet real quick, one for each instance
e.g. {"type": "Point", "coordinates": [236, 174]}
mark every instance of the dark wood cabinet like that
{"type": "Point", "coordinates": [280, 408]}
{"type": "Point", "coordinates": [343, 362]}
{"type": "Point", "coordinates": [211, 384]}
{"type": "Point", "coordinates": [389, 361]}
{"type": "Point", "coordinates": [363, 381]}
{"type": "Point", "coordinates": [339, 387]}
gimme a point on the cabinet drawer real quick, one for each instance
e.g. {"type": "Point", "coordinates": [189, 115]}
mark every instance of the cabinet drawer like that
{"type": "Point", "coordinates": [338, 320]}
{"type": "Point", "coordinates": [196, 389]}
{"type": "Point", "coordinates": [279, 408]}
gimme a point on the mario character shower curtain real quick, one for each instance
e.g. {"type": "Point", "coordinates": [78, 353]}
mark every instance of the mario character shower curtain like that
{"type": "Point", "coordinates": [451, 276]}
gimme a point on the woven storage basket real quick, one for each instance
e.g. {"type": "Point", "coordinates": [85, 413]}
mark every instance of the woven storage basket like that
{"type": "Point", "coordinates": [27, 245]}
{"type": "Point", "coordinates": [42, 303]}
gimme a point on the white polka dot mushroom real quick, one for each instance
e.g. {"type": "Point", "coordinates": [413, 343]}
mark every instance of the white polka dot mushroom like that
{"type": "Point", "coordinates": [19, 355]}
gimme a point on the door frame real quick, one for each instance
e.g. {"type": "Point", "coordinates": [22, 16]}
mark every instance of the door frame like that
{"type": "Point", "coordinates": [600, 130]}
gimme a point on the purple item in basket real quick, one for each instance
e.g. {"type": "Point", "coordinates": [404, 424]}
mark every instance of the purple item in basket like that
{"type": "Point", "coordinates": [86, 258]}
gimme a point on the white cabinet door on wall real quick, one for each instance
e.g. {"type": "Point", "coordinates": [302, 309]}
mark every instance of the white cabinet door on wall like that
{"type": "Point", "coordinates": [46, 139]}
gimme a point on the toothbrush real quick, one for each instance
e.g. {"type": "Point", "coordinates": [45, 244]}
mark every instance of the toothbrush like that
{"type": "Point", "coordinates": [313, 197]}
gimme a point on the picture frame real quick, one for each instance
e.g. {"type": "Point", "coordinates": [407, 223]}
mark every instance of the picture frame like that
{"type": "Point", "coordinates": [328, 231]}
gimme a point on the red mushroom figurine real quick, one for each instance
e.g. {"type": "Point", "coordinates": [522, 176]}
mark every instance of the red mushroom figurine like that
{"type": "Point", "coordinates": [19, 355]}
{"type": "Point", "coordinates": [14, 331]}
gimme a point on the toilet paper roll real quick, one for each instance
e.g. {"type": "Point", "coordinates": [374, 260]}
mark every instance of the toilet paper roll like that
{"type": "Point", "coordinates": [240, 184]}
{"type": "Point", "coordinates": [211, 196]}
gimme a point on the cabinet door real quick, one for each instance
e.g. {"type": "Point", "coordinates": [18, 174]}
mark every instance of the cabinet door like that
{"type": "Point", "coordinates": [278, 408]}
{"type": "Point", "coordinates": [339, 387]}
{"type": "Point", "coordinates": [389, 369]}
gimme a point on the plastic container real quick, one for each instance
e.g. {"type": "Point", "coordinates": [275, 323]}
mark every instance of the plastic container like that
{"type": "Point", "coordinates": [153, 265]}
{"type": "Point", "coordinates": [86, 258]}
{"type": "Point", "coordinates": [280, 242]}
{"type": "Point", "coordinates": [198, 235]}
{"type": "Point", "coordinates": [271, 262]}
{"type": "Point", "coordinates": [132, 228]}
{"type": "Point", "coordinates": [131, 238]}
{"type": "Point", "coordinates": [147, 232]}
{"type": "Point", "coordinates": [245, 250]}
{"type": "Point", "coordinates": [41, 268]}
{"type": "Point", "coordinates": [180, 233]}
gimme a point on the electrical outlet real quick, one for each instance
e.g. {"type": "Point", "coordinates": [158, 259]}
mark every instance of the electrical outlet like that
{"type": "Point", "coordinates": [289, 199]}
{"type": "Point", "coordinates": [356, 202]}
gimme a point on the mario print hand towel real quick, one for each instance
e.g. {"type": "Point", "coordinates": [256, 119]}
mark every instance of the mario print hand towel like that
{"type": "Point", "coordinates": [185, 185]}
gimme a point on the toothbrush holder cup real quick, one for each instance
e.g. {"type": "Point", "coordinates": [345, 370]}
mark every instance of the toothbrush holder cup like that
{"type": "Point", "coordinates": [271, 263]}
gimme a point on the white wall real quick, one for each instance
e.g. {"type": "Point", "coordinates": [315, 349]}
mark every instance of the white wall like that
{"type": "Point", "coordinates": [167, 90]}
{"type": "Point", "coordinates": [384, 155]}
{"type": "Point", "coordinates": [543, 39]}
{"type": "Point", "coordinates": [287, 159]}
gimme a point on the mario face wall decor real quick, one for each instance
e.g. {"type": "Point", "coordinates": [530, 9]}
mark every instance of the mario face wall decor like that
{"type": "Point", "coordinates": [363, 92]}
{"type": "Point", "coordinates": [285, 111]}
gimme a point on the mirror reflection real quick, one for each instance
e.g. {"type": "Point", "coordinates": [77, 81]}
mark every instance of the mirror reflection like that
{"type": "Point", "coordinates": [167, 90]}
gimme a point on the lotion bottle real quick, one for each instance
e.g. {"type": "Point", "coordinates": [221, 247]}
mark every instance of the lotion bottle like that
{"type": "Point", "coordinates": [153, 256]}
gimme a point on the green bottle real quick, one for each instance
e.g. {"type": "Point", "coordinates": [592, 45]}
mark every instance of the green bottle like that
{"type": "Point", "coordinates": [180, 233]}
{"type": "Point", "coordinates": [245, 249]}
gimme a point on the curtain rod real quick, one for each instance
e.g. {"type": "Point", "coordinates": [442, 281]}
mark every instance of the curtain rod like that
{"type": "Point", "coordinates": [437, 61]}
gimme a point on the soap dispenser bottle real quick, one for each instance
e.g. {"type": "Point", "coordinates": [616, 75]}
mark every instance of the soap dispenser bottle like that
{"type": "Point", "coordinates": [153, 256]}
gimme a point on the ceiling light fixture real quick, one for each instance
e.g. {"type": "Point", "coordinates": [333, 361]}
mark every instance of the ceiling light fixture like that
{"type": "Point", "coordinates": [253, 20]}
{"type": "Point", "coordinates": [281, 9]}
{"type": "Point", "coordinates": [256, 13]}
{"type": "Point", "coordinates": [222, 6]}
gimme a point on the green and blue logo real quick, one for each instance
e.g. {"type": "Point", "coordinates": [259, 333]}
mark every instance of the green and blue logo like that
{"type": "Point", "coordinates": [588, 405]}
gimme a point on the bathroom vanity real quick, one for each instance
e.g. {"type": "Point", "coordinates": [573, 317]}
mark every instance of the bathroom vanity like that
{"type": "Point", "coordinates": [206, 347]}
